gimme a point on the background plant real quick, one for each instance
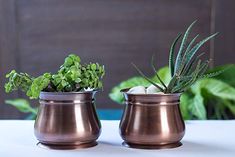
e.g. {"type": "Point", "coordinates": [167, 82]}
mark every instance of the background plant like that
{"type": "Point", "coordinates": [208, 98]}
{"type": "Point", "coordinates": [71, 77]}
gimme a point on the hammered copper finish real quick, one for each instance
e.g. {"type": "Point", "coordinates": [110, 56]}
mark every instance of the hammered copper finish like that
{"type": "Point", "coordinates": [67, 120]}
{"type": "Point", "coordinates": [152, 121]}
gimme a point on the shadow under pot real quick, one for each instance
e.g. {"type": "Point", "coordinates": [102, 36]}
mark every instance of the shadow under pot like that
{"type": "Point", "coordinates": [67, 120]}
{"type": "Point", "coordinates": [152, 121]}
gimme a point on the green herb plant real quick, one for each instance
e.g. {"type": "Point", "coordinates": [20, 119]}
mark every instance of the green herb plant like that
{"type": "Point", "coordinates": [71, 77]}
{"type": "Point", "coordinates": [186, 68]}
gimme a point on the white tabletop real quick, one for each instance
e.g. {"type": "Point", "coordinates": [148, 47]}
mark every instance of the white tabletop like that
{"type": "Point", "coordinates": [202, 138]}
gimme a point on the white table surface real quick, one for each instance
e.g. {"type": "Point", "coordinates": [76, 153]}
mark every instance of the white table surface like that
{"type": "Point", "coordinates": [202, 139]}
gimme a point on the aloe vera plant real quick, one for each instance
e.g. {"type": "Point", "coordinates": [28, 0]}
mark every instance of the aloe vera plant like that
{"type": "Point", "coordinates": [186, 68]}
{"type": "Point", "coordinates": [207, 98]}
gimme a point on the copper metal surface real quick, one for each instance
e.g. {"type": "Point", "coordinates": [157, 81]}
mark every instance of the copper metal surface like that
{"type": "Point", "coordinates": [64, 147]}
{"type": "Point", "coordinates": [152, 121]}
{"type": "Point", "coordinates": [67, 120]}
{"type": "Point", "coordinates": [166, 146]}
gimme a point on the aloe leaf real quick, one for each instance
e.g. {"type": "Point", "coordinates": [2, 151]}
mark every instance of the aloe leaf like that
{"type": "Point", "coordinates": [182, 46]}
{"type": "Point", "coordinates": [145, 77]}
{"type": "Point", "coordinates": [191, 44]}
{"type": "Point", "coordinates": [171, 54]}
{"type": "Point", "coordinates": [189, 66]}
{"type": "Point", "coordinates": [171, 84]}
{"type": "Point", "coordinates": [164, 74]}
{"type": "Point", "coordinates": [182, 87]}
{"type": "Point", "coordinates": [193, 51]}
{"type": "Point", "coordinates": [155, 70]}
{"type": "Point", "coordinates": [203, 68]}
{"type": "Point", "coordinates": [184, 61]}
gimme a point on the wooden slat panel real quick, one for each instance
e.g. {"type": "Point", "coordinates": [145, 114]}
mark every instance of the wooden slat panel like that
{"type": "Point", "coordinates": [225, 25]}
{"type": "Point", "coordinates": [8, 53]}
{"type": "Point", "coordinates": [111, 32]}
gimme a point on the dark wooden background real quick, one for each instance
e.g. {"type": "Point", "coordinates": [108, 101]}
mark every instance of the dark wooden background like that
{"type": "Point", "coordinates": [36, 35]}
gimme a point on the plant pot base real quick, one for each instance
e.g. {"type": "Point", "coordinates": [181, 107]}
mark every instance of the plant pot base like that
{"type": "Point", "coordinates": [140, 146]}
{"type": "Point", "coordinates": [64, 147]}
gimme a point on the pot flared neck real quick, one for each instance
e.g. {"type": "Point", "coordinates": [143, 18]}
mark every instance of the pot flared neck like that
{"type": "Point", "coordinates": [160, 99]}
{"type": "Point", "coordinates": [67, 96]}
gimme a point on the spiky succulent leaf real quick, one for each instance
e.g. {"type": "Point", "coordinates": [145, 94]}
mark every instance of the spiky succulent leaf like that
{"type": "Point", "coordinates": [191, 44]}
{"type": "Point", "coordinates": [171, 55]}
{"type": "Point", "coordinates": [193, 51]}
{"type": "Point", "coordinates": [148, 79]}
{"type": "Point", "coordinates": [182, 47]}
{"type": "Point", "coordinates": [213, 74]}
{"type": "Point", "coordinates": [180, 87]}
{"type": "Point", "coordinates": [171, 84]}
{"type": "Point", "coordinates": [188, 67]}
{"type": "Point", "coordinates": [156, 73]}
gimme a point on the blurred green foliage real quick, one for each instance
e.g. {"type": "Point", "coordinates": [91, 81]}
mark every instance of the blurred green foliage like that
{"type": "Point", "coordinates": [208, 98]}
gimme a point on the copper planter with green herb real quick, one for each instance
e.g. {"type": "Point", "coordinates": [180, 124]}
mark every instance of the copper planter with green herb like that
{"type": "Point", "coordinates": [152, 118]}
{"type": "Point", "coordinates": [67, 118]}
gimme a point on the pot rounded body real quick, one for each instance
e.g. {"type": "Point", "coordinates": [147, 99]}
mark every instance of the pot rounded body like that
{"type": "Point", "coordinates": [67, 119]}
{"type": "Point", "coordinates": [152, 121]}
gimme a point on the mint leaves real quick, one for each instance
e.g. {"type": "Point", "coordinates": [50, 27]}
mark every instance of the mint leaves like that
{"type": "Point", "coordinates": [71, 77]}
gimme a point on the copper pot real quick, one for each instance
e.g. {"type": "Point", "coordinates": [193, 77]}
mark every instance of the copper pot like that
{"type": "Point", "coordinates": [67, 120]}
{"type": "Point", "coordinates": [152, 121]}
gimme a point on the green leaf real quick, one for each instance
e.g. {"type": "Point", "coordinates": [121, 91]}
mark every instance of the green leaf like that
{"type": "Point", "coordinates": [217, 88]}
{"type": "Point", "coordinates": [193, 51]}
{"type": "Point", "coordinates": [164, 74]}
{"type": "Point", "coordinates": [156, 74]}
{"type": "Point", "coordinates": [32, 116]}
{"type": "Point", "coordinates": [230, 105]}
{"type": "Point", "coordinates": [171, 55]}
{"type": "Point", "coordinates": [68, 61]}
{"type": "Point", "coordinates": [148, 79]}
{"type": "Point", "coordinates": [38, 85]}
{"type": "Point", "coordinates": [117, 96]}
{"type": "Point", "coordinates": [191, 44]}
{"type": "Point", "coordinates": [115, 93]}
{"type": "Point", "coordinates": [182, 47]}
{"type": "Point", "coordinates": [72, 76]}
{"type": "Point", "coordinates": [93, 67]}
{"type": "Point", "coordinates": [22, 105]}
{"type": "Point", "coordinates": [189, 66]}
{"type": "Point", "coordinates": [197, 106]}
{"type": "Point", "coordinates": [171, 84]}
{"type": "Point", "coordinates": [185, 101]}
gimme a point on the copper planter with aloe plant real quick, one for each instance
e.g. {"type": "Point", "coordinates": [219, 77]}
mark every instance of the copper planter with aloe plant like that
{"type": "Point", "coordinates": [67, 116]}
{"type": "Point", "coordinates": [152, 117]}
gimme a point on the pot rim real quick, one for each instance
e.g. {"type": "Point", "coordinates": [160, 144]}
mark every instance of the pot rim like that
{"type": "Point", "coordinates": [64, 93]}
{"type": "Point", "coordinates": [68, 96]}
{"type": "Point", "coordinates": [125, 91]}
